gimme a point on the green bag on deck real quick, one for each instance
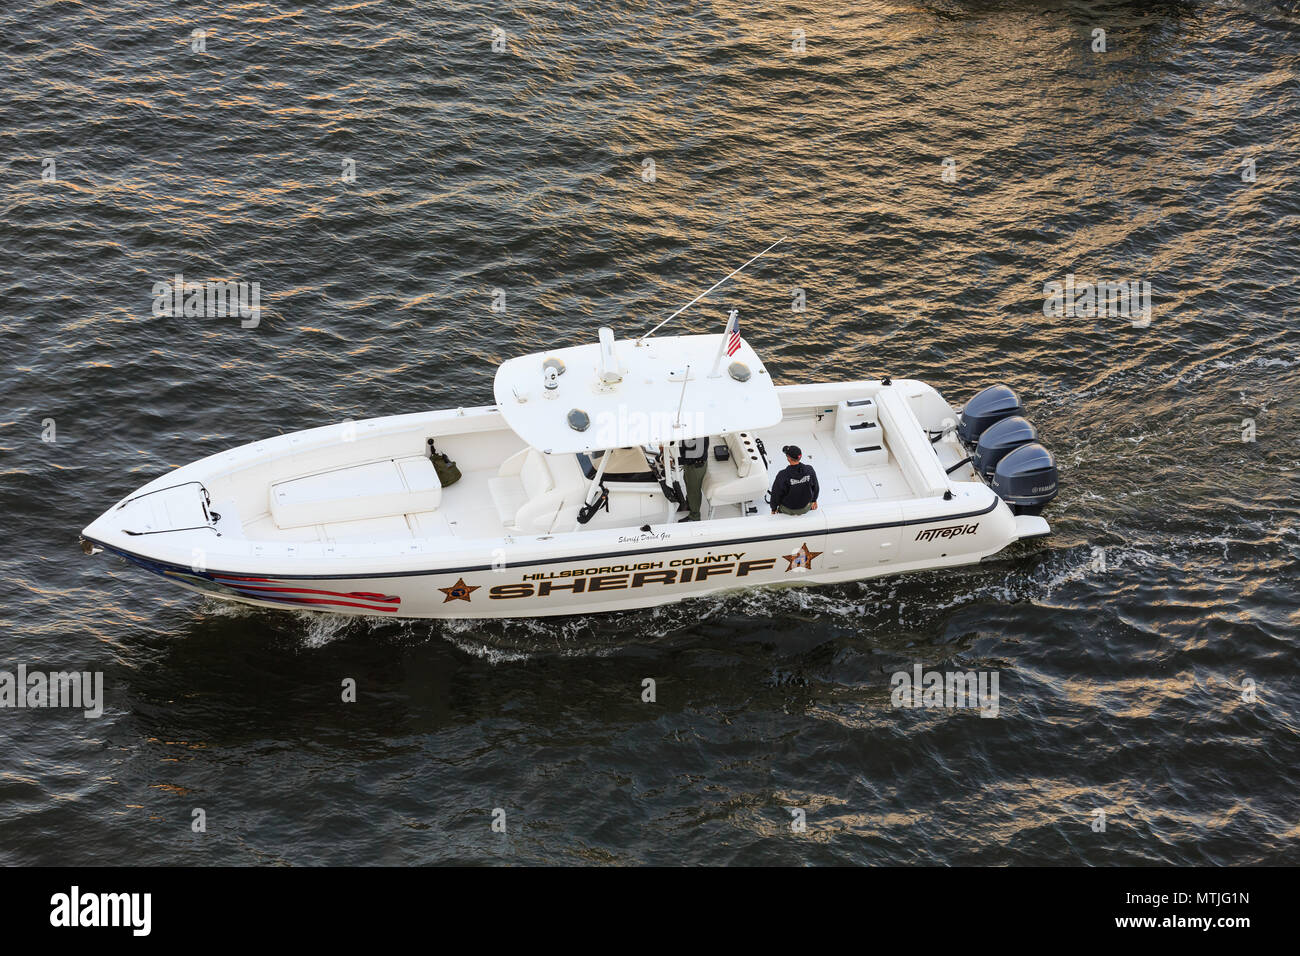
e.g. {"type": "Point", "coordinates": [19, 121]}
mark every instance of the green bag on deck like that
{"type": "Point", "coordinates": [448, 473]}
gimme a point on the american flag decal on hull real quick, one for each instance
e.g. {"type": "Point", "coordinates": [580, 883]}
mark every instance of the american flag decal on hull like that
{"type": "Point", "coordinates": [268, 589]}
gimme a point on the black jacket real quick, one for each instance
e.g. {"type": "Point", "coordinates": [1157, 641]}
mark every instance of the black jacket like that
{"type": "Point", "coordinates": [694, 451]}
{"type": "Point", "coordinates": [795, 487]}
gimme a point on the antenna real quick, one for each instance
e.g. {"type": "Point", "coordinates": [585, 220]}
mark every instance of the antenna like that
{"type": "Point", "coordinates": [708, 290]}
{"type": "Point", "coordinates": [685, 378]}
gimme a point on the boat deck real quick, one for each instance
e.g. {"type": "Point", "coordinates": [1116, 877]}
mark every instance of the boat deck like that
{"type": "Point", "coordinates": [467, 509]}
{"type": "Point", "coordinates": [840, 483]}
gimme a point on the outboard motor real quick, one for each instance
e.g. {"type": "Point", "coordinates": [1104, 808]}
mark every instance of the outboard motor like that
{"type": "Point", "coordinates": [1026, 479]}
{"type": "Point", "coordinates": [999, 439]}
{"type": "Point", "coordinates": [991, 405]}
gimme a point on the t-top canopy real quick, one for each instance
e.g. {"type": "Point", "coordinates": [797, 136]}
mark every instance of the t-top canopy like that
{"type": "Point", "coordinates": [620, 394]}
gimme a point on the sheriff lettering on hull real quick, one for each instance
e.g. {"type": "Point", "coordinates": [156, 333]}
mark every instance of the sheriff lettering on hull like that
{"type": "Point", "coordinates": [621, 577]}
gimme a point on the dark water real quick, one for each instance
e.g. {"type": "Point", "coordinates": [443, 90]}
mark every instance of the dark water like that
{"type": "Point", "coordinates": [1124, 643]}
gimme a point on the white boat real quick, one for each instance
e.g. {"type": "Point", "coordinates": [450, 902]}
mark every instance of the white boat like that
{"type": "Point", "coordinates": [570, 495]}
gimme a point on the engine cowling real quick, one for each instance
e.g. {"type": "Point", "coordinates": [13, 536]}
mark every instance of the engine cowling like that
{"type": "Point", "coordinates": [987, 408]}
{"type": "Point", "coordinates": [1026, 478]}
{"type": "Point", "coordinates": [1000, 439]}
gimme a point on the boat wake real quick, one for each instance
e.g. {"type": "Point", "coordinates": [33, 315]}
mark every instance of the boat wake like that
{"type": "Point", "coordinates": [876, 611]}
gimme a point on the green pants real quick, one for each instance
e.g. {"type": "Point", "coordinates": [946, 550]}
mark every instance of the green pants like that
{"type": "Point", "coordinates": [694, 475]}
{"type": "Point", "coordinates": [794, 511]}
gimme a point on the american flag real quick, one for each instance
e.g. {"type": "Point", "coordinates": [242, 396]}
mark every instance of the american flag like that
{"type": "Point", "coordinates": [733, 333]}
{"type": "Point", "coordinates": [280, 592]}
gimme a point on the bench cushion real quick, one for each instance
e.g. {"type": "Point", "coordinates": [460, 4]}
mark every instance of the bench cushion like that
{"type": "Point", "coordinates": [911, 448]}
{"type": "Point", "coordinates": [377, 489]}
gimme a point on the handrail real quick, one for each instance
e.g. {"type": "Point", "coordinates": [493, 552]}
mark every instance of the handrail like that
{"type": "Point", "coordinates": [144, 494]}
{"type": "Point", "coordinates": [197, 527]}
{"type": "Point", "coordinates": [205, 504]}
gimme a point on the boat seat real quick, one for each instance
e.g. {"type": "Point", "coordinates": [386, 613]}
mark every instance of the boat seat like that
{"type": "Point", "coordinates": [377, 489]}
{"type": "Point", "coordinates": [508, 489]}
{"type": "Point", "coordinates": [528, 493]}
{"type": "Point", "coordinates": [741, 478]}
{"type": "Point", "coordinates": [910, 445]}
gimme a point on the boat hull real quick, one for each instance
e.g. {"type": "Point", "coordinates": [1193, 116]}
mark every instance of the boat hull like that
{"type": "Point", "coordinates": [626, 572]}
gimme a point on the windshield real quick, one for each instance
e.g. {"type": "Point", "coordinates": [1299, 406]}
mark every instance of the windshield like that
{"type": "Point", "coordinates": [625, 464]}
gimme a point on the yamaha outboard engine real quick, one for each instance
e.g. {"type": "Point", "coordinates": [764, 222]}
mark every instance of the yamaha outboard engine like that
{"type": "Point", "coordinates": [988, 407]}
{"type": "Point", "coordinates": [1026, 479]}
{"type": "Point", "coordinates": [999, 439]}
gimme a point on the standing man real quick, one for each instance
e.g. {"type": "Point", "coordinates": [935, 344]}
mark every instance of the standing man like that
{"type": "Point", "coordinates": [694, 454]}
{"type": "Point", "coordinates": [795, 489]}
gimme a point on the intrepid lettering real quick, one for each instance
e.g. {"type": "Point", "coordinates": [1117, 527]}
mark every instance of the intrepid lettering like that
{"type": "Point", "coordinates": [952, 531]}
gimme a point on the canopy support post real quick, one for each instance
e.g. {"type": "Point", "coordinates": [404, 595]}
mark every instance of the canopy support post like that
{"type": "Point", "coordinates": [593, 490]}
{"type": "Point", "coordinates": [672, 471]}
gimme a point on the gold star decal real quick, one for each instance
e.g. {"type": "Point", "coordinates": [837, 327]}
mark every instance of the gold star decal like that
{"type": "Point", "coordinates": [460, 591]}
{"type": "Point", "coordinates": [802, 559]}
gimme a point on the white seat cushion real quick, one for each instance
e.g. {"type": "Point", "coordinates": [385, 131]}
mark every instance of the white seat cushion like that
{"type": "Point", "coordinates": [741, 478]}
{"type": "Point", "coordinates": [377, 489]}
{"type": "Point", "coordinates": [508, 496]}
{"type": "Point", "coordinates": [744, 453]}
{"type": "Point", "coordinates": [535, 474]}
{"type": "Point", "coordinates": [527, 494]}
{"type": "Point", "coordinates": [910, 447]}
{"type": "Point", "coordinates": [730, 492]}
{"type": "Point", "coordinates": [537, 515]}
{"type": "Point", "coordinates": [523, 475]}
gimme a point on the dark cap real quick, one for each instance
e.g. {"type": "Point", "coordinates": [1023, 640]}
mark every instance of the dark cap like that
{"type": "Point", "coordinates": [792, 451]}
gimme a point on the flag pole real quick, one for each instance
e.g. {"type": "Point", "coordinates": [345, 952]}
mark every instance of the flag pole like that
{"type": "Point", "coordinates": [722, 346]}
